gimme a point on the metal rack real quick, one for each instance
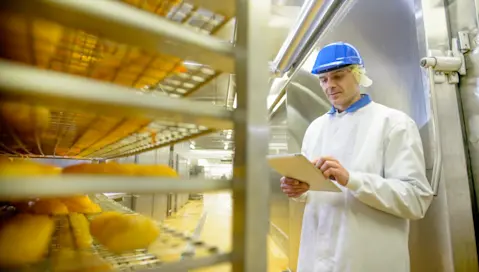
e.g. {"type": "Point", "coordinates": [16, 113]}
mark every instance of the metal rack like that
{"type": "Point", "coordinates": [73, 89]}
{"type": "Point", "coordinates": [42, 42]}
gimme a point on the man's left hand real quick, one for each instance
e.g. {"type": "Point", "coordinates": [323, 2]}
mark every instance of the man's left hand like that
{"type": "Point", "coordinates": [332, 169]}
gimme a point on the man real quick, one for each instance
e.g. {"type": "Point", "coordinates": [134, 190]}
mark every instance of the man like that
{"type": "Point", "coordinates": [375, 155]}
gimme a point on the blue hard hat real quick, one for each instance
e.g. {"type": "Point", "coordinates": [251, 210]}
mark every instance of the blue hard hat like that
{"type": "Point", "coordinates": [334, 56]}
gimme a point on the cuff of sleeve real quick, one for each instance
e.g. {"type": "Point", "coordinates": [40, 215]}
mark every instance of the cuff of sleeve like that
{"type": "Point", "coordinates": [354, 182]}
{"type": "Point", "coordinates": [301, 198]}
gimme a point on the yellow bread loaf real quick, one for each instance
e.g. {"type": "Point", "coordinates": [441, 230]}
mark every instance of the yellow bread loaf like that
{"type": "Point", "coordinates": [101, 168]}
{"type": "Point", "coordinates": [24, 239]}
{"type": "Point", "coordinates": [25, 118]}
{"type": "Point", "coordinates": [81, 230]}
{"type": "Point", "coordinates": [27, 168]}
{"type": "Point", "coordinates": [80, 204]}
{"type": "Point", "coordinates": [124, 232]}
{"type": "Point", "coordinates": [157, 170]}
{"type": "Point", "coordinates": [50, 206]}
{"type": "Point", "coordinates": [99, 222]}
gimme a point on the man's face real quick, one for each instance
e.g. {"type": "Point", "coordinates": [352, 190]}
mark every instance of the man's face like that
{"type": "Point", "coordinates": [340, 86]}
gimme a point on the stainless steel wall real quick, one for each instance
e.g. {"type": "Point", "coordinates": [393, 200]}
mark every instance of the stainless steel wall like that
{"type": "Point", "coordinates": [445, 239]}
{"type": "Point", "coordinates": [160, 205]}
{"type": "Point", "coordinates": [464, 17]}
{"type": "Point", "coordinates": [392, 36]}
{"type": "Point", "coordinates": [154, 205]}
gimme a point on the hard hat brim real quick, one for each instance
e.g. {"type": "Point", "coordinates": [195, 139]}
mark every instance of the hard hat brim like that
{"type": "Point", "coordinates": [328, 68]}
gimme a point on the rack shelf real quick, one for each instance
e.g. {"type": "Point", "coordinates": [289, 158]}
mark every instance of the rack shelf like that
{"type": "Point", "coordinates": [48, 45]}
{"type": "Point", "coordinates": [156, 135]}
{"type": "Point", "coordinates": [173, 250]}
{"type": "Point", "coordinates": [183, 245]}
{"type": "Point", "coordinates": [204, 16]}
{"type": "Point", "coordinates": [92, 136]}
{"type": "Point", "coordinates": [77, 133]}
{"type": "Point", "coordinates": [51, 46]}
{"type": "Point", "coordinates": [76, 93]}
{"type": "Point", "coordinates": [119, 22]}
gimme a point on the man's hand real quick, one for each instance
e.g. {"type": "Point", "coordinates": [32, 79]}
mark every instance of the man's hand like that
{"type": "Point", "coordinates": [332, 169]}
{"type": "Point", "coordinates": [292, 187]}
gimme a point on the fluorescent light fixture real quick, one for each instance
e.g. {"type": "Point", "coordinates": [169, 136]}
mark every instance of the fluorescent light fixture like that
{"type": "Point", "coordinates": [203, 162]}
{"type": "Point", "coordinates": [190, 63]}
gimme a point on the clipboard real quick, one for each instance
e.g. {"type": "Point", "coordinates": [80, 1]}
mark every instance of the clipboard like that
{"type": "Point", "coordinates": [298, 167]}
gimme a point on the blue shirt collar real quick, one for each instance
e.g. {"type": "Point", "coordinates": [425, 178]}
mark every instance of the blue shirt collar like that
{"type": "Point", "coordinates": [363, 101]}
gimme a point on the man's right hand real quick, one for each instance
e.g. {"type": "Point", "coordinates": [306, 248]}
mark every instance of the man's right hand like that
{"type": "Point", "coordinates": [292, 187]}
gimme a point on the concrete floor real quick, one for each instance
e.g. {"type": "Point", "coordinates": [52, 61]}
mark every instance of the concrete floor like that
{"type": "Point", "coordinates": [217, 229]}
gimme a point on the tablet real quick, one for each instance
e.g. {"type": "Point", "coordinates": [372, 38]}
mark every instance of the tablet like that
{"type": "Point", "coordinates": [298, 167]}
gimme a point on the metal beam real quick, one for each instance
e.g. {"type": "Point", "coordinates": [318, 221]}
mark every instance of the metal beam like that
{"type": "Point", "coordinates": [250, 183]}
{"type": "Point", "coordinates": [51, 186]}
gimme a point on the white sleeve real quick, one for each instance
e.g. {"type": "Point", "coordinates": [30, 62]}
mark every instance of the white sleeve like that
{"type": "Point", "coordinates": [404, 191]}
{"type": "Point", "coordinates": [301, 198]}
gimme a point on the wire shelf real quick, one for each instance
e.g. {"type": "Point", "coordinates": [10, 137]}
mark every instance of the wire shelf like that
{"type": "Point", "coordinates": [199, 18]}
{"type": "Point", "coordinates": [51, 46]}
{"type": "Point", "coordinates": [83, 135]}
{"type": "Point", "coordinates": [172, 248]}
{"type": "Point", "coordinates": [157, 134]}
{"type": "Point", "coordinates": [189, 15]}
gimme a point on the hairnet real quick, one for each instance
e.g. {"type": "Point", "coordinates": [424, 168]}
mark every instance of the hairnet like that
{"type": "Point", "coordinates": [360, 75]}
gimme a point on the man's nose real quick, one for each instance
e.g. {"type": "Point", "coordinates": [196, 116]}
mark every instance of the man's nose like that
{"type": "Point", "coordinates": [330, 87]}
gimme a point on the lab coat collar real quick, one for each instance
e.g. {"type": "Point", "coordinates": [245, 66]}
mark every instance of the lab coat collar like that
{"type": "Point", "coordinates": [363, 101]}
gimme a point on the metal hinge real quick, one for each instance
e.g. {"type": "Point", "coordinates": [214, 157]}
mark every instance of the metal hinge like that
{"type": "Point", "coordinates": [464, 42]}
{"type": "Point", "coordinates": [449, 66]}
{"type": "Point", "coordinates": [443, 67]}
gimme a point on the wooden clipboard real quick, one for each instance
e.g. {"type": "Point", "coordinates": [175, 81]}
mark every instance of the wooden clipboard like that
{"type": "Point", "coordinates": [298, 167]}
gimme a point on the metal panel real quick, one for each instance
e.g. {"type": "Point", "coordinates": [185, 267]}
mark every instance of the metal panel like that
{"type": "Point", "coordinates": [450, 245]}
{"type": "Point", "coordinates": [144, 204]}
{"type": "Point", "coordinates": [159, 207]}
{"type": "Point", "coordinates": [463, 17]}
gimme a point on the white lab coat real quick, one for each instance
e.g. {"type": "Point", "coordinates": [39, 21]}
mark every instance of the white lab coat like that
{"type": "Point", "coordinates": [365, 227]}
